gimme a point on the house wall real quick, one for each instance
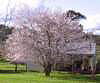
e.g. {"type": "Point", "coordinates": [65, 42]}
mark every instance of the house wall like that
{"type": "Point", "coordinates": [34, 67]}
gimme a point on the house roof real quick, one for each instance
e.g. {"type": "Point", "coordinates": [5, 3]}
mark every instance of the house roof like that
{"type": "Point", "coordinates": [84, 48]}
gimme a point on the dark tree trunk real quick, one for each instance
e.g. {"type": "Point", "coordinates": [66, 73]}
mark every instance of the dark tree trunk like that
{"type": "Point", "coordinates": [72, 64]}
{"type": "Point", "coordinates": [15, 67]}
{"type": "Point", "coordinates": [47, 70]}
{"type": "Point", "coordinates": [26, 68]}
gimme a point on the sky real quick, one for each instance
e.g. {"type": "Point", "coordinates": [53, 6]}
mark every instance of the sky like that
{"type": "Point", "coordinates": [89, 8]}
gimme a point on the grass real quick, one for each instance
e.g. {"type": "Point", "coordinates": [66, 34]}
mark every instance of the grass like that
{"type": "Point", "coordinates": [7, 66]}
{"type": "Point", "coordinates": [37, 77]}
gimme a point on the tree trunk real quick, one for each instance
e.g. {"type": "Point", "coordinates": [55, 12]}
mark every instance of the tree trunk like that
{"type": "Point", "coordinates": [47, 70]}
{"type": "Point", "coordinates": [15, 67]}
{"type": "Point", "coordinates": [72, 64]}
{"type": "Point", "coordinates": [26, 68]}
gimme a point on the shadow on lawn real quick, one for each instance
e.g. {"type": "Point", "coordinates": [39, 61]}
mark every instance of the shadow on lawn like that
{"type": "Point", "coordinates": [15, 72]}
{"type": "Point", "coordinates": [80, 77]}
{"type": "Point", "coordinates": [10, 71]}
{"type": "Point", "coordinates": [97, 79]}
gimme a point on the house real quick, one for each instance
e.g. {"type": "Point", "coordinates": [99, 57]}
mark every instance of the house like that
{"type": "Point", "coordinates": [78, 53]}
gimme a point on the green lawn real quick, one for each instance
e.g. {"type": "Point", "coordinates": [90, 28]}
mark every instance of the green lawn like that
{"type": "Point", "coordinates": [7, 76]}
{"type": "Point", "coordinates": [7, 66]}
{"type": "Point", "coordinates": [35, 77]}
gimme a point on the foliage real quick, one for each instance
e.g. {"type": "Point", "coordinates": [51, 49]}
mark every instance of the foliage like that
{"type": "Point", "coordinates": [4, 32]}
{"type": "Point", "coordinates": [42, 36]}
{"type": "Point", "coordinates": [98, 52]}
